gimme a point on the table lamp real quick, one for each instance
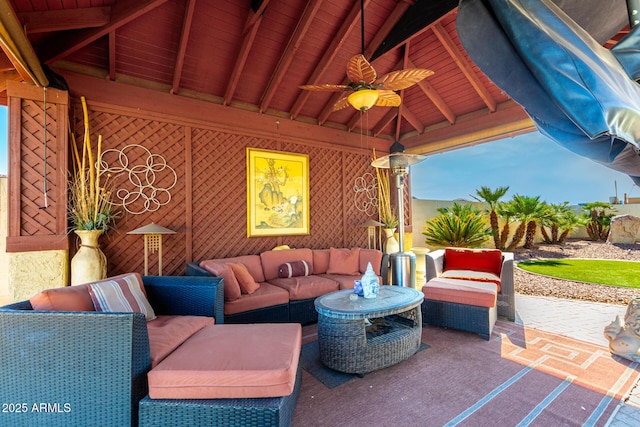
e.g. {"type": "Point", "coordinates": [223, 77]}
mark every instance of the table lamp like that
{"type": "Point", "coordinates": [152, 242]}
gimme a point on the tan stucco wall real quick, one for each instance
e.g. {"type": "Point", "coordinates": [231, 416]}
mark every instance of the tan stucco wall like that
{"type": "Point", "coordinates": [32, 272]}
{"type": "Point", "coordinates": [4, 259]}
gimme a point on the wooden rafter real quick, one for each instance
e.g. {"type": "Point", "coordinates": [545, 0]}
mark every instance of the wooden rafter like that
{"type": "Point", "coordinates": [121, 13]}
{"type": "Point", "coordinates": [413, 121]}
{"type": "Point", "coordinates": [250, 30]}
{"type": "Point", "coordinates": [287, 56]}
{"type": "Point", "coordinates": [112, 56]}
{"type": "Point", "coordinates": [64, 19]}
{"type": "Point", "coordinates": [464, 66]}
{"type": "Point", "coordinates": [182, 48]}
{"type": "Point", "coordinates": [385, 121]}
{"type": "Point", "coordinates": [329, 54]}
{"type": "Point", "coordinates": [382, 33]}
{"type": "Point", "coordinates": [437, 100]}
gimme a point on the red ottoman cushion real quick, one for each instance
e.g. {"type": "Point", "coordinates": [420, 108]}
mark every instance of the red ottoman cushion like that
{"type": "Point", "coordinates": [231, 361]}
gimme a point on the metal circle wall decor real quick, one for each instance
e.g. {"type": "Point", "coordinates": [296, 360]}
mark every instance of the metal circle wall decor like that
{"type": "Point", "coordinates": [148, 182]}
{"type": "Point", "coordinates": [366, 194]}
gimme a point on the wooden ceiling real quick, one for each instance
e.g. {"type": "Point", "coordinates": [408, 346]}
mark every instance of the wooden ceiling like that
{"type": "Point", "coordinates": [253, 55]}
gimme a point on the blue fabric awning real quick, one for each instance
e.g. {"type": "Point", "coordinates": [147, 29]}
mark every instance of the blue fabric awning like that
{"type": "Point", "coordinates": [578, 93]}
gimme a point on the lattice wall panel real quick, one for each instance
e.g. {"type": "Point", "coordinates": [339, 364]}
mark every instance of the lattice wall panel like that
{"type": "Point", "coordinates": [36, 219]}
{"type": "Point", "coordinates": [125, 252]}
{"type": "Point", "coordinates": [355, 165]}
{"type": "Point", "coordinates": [325, 198]}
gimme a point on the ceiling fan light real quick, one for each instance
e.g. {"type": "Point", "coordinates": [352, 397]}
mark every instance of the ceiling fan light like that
{"type": "Point", "coordinates": [363, 99]}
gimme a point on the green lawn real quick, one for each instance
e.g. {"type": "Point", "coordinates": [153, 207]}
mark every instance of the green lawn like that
{"type": "Point", "coordinates": [607, 272]}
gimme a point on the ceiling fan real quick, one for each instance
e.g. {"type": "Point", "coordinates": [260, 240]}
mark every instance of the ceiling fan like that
{"type": "Point", "coordinates": [367, 89]}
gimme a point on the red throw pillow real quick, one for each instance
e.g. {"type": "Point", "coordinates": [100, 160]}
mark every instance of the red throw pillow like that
{"type": "Point", "coordinates": [231, 286]}
{"type": "Point", "coordinates": [344, 261]}
{"type": "Point", "coordinates": [68, 298]}
{"type": "Point", "coordinates": [489, 260]}
{"type": "Point", "coordinates": [294, 269]}
{"type": "Point", "coordinates": [247, 284]}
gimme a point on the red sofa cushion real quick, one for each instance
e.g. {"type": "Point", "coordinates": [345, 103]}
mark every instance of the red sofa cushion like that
{"type": "Point", "coordinates": [489, 260]}
{"type": "Point", "coordinates": [69, 298]}
{"type": "Point", "coordinates": [344, 261]}
{"type": "Point", "coordinates": [220, 269]}
{"type": "Point", "coordinates": [166, 333]}
{"type": "Point", "coordinates": [244, 278]}
{"type": "Point", "coordinates": [231, 361]}
{"type": "Point", "coordinates": [267, 295]}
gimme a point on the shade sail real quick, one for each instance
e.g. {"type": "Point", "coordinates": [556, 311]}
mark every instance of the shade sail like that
{"type": "Point", "coordinates": [578, 93]}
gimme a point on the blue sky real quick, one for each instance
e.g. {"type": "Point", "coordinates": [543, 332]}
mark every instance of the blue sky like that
{"type": "Point", "coordinates": [531, 165]}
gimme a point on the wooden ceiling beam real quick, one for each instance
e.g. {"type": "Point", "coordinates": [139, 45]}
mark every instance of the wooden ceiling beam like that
{"type": "Point", "coordinates": [413, 121]}
{"type": "Point", "coordinates": [64, 19]}
{"type": "Point", "coordinates": [122, 13]}
{"type": "Point", "coordinates": [463, 65]}
{"type": "Point", "coordinates": [289, 53]}
{"type": "Point", "coordinates": [507, 121]}
{"type": "Point", "coordinates": [329, 54]}
{"type": "Point", "coordinates": [182, 48]}
{"type": "Point", "coordinates": [250, 30]}
{"type": "Point", "coordinates": [437, 100]}
{"type": "Point", "coordinates": [381, 34]}
{"type": "Point", "coordinates": [112, 56]}
{"type": "Point", "coordinates": [385, 121]}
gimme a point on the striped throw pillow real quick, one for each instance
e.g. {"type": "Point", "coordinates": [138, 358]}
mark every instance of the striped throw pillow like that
{"type": "Point", "coordinates": [121, 294]}
{"type": "Point", "coordinates": [294, 269]}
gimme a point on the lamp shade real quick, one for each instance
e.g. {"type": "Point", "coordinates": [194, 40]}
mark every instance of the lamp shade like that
{"type": "Point", "coordinates": [152, 229]}
{"type": "Point", "coordinates": [363, 99]}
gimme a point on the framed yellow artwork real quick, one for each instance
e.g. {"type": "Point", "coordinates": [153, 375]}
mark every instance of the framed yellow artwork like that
{"type": "Point", "coordinates": [277, 193]}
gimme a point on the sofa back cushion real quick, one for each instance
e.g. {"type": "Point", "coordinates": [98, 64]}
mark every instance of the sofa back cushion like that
{"type": "Point", "coordinates": [272, 260]}
{"type": "Point", "coordinates": [372, 256]}
{"type": "Point", "coordinates": [220, 269]}
{"type": "Point", "coordinates": [344, 261]}
{"type": "Point", "coordinates": [252, 262]}
{"type": "Point", "coordinates": [320, 261]}
{"type": "Point", "coordinates": [489, 260]}
{"type": "Point", "coordinates": [121, 294]}
{"type": "Point", "coordinates": [69, 298]}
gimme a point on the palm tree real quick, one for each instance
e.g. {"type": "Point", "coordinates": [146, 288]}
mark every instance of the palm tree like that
{"type": "Point", "coordinates": [507, 212]}
{"type": "Point", "coordinates": [551, 218]}
{"type": "Point", "coordinates": [570, 221]}
{"type": "Point", "coordinates": [460, 226]}
{"type": "Point", "coordinates": [598, 216]}
{"type": "Point", "coordinates": [528, 210]}
{"type": "Point", "coordinates": [491, 198]}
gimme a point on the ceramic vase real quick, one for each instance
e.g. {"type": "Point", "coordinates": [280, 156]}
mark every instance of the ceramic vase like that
{"type": "Point", "coordinates": [89, 264]}
{"type": "Point", "coordinates": [390, 244]}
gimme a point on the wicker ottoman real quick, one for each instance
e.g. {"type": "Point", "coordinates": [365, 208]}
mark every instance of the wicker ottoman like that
{"type": "Point", "coordinates": [227, 375]}
{"type": "Point", "coordinates": [460, 304]}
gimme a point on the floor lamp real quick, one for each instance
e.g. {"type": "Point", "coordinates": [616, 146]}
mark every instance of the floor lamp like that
{"type": "Point", "coordinates": [403, 264]}
{"type": "Point", "coordinates": [152, 242]}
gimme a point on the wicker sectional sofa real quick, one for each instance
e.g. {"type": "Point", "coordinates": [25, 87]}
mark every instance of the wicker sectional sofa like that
{"type": "Point", "coordinates": [82, 368]}
{"type": "Point", "coordinates": [289, 299]}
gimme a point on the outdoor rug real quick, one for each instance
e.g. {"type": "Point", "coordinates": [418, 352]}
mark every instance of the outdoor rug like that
{"type": "Point", "coordinates": [310, 361]}
{"type": "Point", "coordinates": [521, 376]}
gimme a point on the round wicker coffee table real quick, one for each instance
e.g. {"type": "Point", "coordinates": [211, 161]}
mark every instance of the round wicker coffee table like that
{"type": "Point", "coordinates": [368, 334]}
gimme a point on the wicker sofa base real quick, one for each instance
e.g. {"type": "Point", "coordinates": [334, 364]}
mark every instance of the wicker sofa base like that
{"type": "Point", "coordinates": [272, 411]}
{"type": "Point", "coordinates": [469, 318]}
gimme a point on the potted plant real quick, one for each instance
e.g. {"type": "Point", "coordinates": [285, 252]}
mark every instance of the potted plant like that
{"type": "Point", "coordinates": [386, 214]}
{"type": "Point", "coordinates": [91, 209]}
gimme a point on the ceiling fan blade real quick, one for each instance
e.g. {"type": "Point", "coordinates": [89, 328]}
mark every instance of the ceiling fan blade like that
{"type": "Point", "coordinates": [402, 79]}
{"type": "Point", "coordinates": [388, 98]}
{"type": "Point", "coordinates": [325, 87]}
{"type": "Point", "coordinates": [340, 104]}
{"type": "Point", "coordinates": [360, 71]}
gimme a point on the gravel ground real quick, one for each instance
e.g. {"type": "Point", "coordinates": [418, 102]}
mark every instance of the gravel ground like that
{"type": "Point", "coordinates": [533, 284]}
